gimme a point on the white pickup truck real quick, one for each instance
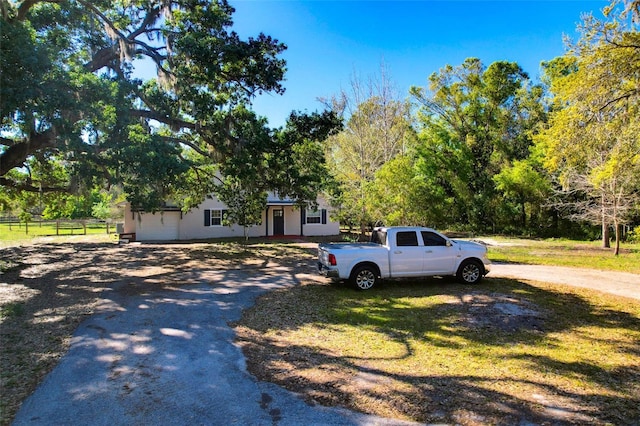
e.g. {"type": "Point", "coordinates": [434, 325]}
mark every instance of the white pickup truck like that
{"type": "Point", "coordinates": [397, 252]}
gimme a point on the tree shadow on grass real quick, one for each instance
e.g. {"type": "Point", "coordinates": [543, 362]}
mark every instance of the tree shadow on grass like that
{"type": "Point", "coordinates": [505, 348]}
{"type": "Point", "coordinates": [62, 283]}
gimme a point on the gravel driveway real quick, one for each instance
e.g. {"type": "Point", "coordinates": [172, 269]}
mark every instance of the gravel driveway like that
{"type": "Point", "coordinates": [168, 357]}
{"type": "Point", "coordinates": [618, 283]}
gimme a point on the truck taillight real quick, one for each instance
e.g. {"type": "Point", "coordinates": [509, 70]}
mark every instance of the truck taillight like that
{"type": "Point", "coordinates": [332, 260]}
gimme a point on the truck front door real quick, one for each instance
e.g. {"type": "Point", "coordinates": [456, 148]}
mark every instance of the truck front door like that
{"type": "Point", "coordinates": [406, 257]}
{"type": "Point", "coordinates": [438, 257]}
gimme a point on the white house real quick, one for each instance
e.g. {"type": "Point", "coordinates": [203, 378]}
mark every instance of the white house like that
{"type": "Point", "coordinates": [282, 217]}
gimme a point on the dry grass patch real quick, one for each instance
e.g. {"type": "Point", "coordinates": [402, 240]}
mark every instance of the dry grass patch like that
{"type": "Point", "coordinates": [432, 351]}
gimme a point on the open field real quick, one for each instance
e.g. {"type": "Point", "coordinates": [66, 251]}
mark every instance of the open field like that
{"type": "Point", "coordinates": [428, 350]}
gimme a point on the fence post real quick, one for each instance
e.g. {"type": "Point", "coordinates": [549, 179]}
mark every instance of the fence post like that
{"type": "Point", "coordinates": [57, 227]}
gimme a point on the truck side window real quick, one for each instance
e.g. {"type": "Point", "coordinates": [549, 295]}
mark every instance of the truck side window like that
{"type": "Point", "coordinates": [406, 238]}
{"type": "Point", "coordinates": [433, 239]}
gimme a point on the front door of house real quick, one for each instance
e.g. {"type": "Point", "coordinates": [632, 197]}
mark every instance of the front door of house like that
{"type": "Point", "coordinates": [278, 222]}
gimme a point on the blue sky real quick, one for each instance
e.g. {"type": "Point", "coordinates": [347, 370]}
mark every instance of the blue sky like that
{"type": "Point", "coordinates": [331, 41]}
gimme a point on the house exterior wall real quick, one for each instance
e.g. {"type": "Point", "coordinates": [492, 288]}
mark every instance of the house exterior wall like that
{"type": "Point", "coordinates": [172, 225]}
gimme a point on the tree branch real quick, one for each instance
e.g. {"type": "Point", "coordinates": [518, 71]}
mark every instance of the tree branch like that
{"type": "Point", "coordinates": [169, 121]}
{"type": "Point", "coordinates": [187, 143]}
{"type": "Point", "coordinates": [30, 188]}
{"type": "Point", "coordinates": [26, 5]}
{"type": "Point", "coordinates": [618, 99]}
{"type": "Point", "coordinates": [102, 57]}
{"type": "Point", "coordinates": [7, 142]}
{"type": "Point", "coordinates": [16, 154]}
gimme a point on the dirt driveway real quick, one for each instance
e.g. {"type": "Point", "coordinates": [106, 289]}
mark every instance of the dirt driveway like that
{"type": "Point", "coordinates": [618, 283]}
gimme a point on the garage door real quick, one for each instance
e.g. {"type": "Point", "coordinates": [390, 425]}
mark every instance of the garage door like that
{"type": "Point", "coordinates": [158, 226]}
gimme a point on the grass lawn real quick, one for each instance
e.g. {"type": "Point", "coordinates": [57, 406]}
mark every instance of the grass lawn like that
{"type": "Point", "coordinates": [434, 351]}
{"type": "Point", "coordinates": [17, 232]}
{"type": "Point", "coordinates": [581, 254]}
{"type": "Point", "coordinates": [501, 352]}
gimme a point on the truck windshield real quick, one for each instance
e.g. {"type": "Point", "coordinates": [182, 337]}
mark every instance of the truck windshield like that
{"type": "Point", "coordinates": [379, 237]}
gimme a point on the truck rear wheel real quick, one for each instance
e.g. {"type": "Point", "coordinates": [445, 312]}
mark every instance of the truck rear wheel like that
{"type": "Point", "coordinates": [364, 277]}
{"type": "Point", "coordinates": [470, 272]}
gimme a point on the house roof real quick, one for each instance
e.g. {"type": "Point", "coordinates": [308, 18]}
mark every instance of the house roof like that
{"type": "Point", "coordinates": [273, 199]}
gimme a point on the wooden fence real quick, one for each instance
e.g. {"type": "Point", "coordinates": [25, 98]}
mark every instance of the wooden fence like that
{"type": "Point", "coordinates": [56, 227]}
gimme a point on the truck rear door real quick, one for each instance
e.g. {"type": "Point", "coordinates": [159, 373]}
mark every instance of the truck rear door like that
{"type": "Point", "coordinates": [405, 255]}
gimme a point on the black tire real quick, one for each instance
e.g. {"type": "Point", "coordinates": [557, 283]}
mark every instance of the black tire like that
{"type": "Point", "coordinates": [364, 277]}
{"type": "Point", "coordinates": [470, 272]}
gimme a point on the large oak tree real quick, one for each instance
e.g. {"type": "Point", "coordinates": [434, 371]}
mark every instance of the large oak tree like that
{"type": "Point", "coordinates": [70, 97]}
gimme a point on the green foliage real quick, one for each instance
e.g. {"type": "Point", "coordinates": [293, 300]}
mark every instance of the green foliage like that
{"type": "Point", "coordinates": [634, 235]}
{"type": "Point", "coordinates": [525, 186]}
{"type": "Point", "coordinates": [396, 195]}
{"type": "Point", "coordinates": [244, 200]}
{"type": "Point", "coordinates": [296, 160]}
{"type": "Point", "coordinates": [475, 120]}
{"type": "Point", "coordinates": [376, 131]}
{"type": "Point", "coordinates": [592, 141]}
{"type": "Point", "coordinates": [74, 122]}
{"type": "Point", "coordinates": [444, 169]}
{"type": "Point", "coordinates": [289, 162]}
{"type": "Point", "coordinates": [70, 101]}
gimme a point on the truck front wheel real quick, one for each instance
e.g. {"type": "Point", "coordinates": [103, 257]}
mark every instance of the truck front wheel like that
{"type": "Point", "coordinates": [470, 272]}
{"type": "Point", "coordinates": [364, 277]}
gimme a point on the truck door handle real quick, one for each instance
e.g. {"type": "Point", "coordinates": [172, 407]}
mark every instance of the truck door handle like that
{"type": "Point", "coordinates": [397, 252]}
{"type": "Point", "coordinates": [429, 251]}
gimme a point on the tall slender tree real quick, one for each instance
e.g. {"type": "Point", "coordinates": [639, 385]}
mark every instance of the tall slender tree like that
{"type": "Point", "coordinates": [592, 141]}
{"type": "Point", "coordinates": [377, 128]}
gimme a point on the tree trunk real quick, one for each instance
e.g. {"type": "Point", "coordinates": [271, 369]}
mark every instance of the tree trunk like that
{"type": "Point", "coordinates": [363, 232]}
{"type": "Point", "coordinates": [606, 243]}
{"type": "Point", "coordinates": [616, 251]}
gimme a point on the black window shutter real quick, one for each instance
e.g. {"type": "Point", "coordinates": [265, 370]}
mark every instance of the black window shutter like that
{"type": "Point", "coordinates": [324, 216]}
{"type": "Point", "coordinates": [224, 216]}
{"type": "Point", "coordinates": [303, 214]}
{"type": "Point", "coordinates": [207, 218]}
